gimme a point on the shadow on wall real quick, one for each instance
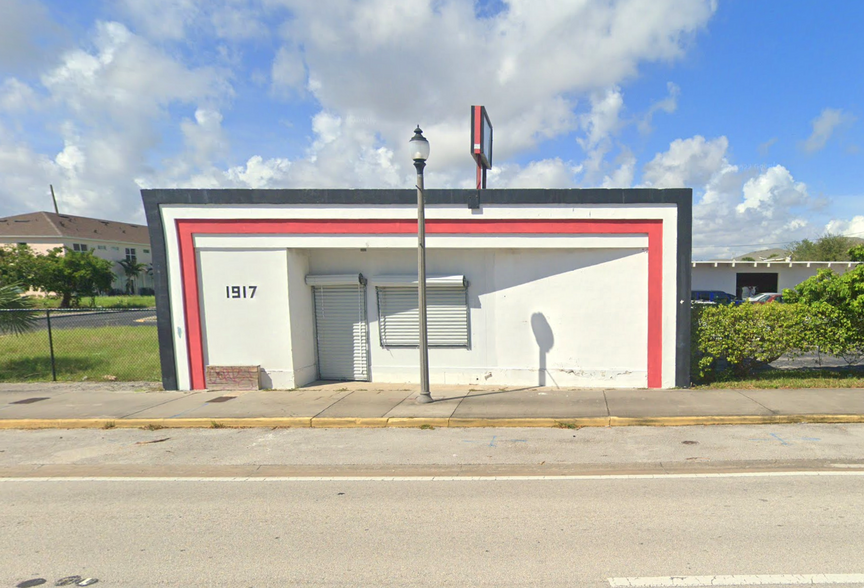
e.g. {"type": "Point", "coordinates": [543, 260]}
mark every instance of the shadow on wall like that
{"type": "Point", "coordinates": [545, 341]}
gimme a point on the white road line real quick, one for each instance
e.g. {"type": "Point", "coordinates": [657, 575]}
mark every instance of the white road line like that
{"type": "Point", "coordinates": [750, 580]}
{"type": "Point", "coordinates": [421, 478]}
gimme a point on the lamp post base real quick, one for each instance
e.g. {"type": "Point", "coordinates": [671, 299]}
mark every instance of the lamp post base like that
{"type": "Point", "coordinates": [424, 399]}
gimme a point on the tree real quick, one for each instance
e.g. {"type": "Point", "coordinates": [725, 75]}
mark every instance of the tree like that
{"type": "Point", "coordinates": [856, 253]}
{"type": "Point", "coordinates": [17, 265]}
{"type": "Point", "coordinates": [72, 274]}
{"type": "Point", "coordinates": [132, 269]}
{"type": "Point", "coordinates": [837, 301]}
{"type": "Point", "coordinates": [828, 247]}
{"type": "Point", "coordinates": [18, 320]}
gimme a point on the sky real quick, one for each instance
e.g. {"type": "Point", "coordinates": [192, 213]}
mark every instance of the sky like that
{"type": "Point", "coordinates": [756, 106]}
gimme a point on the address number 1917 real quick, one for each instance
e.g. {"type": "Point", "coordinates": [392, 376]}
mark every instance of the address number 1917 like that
{"type": "Point", "coordinates": [240, 291]}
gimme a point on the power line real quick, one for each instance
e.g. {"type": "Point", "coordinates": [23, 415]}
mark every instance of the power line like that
{"type": "Point", "coordinates": [779, 243]}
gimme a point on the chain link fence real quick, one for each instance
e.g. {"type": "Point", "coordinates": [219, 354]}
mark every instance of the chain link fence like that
{"type": "Point", "coordinates": [81, 344]}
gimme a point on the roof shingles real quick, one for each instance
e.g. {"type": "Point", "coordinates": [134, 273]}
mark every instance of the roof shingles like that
{"type": "Point", "coordinates": [50, 224]}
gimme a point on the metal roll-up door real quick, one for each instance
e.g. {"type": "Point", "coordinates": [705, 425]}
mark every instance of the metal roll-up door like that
{"type": "Point", "coordinates": [446, 316]}
{"type": "Point", "coordinates": [341, 332]}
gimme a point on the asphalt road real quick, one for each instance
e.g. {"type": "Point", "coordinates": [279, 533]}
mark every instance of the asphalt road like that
{"type": "Point", "coordinates": [429, 533]}
{"type": "Point", "coordinates": [90, 319]}
{"type": "Point", "coordinates": [602, 507]}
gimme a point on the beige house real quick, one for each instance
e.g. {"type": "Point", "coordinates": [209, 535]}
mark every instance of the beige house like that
{"type": "Point", "coordinates": [111, 240]}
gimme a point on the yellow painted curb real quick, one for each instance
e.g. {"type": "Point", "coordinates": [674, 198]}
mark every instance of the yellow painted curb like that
{"type": "Point", "coordinates": [503, 422]}
{"type": "Point", "coordinates": [774, 419]}
{"type": "Point", "coordinates": [417, 422]}
{"type": "Point", "coordinates": [345, 422]}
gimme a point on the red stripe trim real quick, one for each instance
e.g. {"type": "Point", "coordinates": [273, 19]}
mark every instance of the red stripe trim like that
{"type": "Point", "coordinates": [188, 228]}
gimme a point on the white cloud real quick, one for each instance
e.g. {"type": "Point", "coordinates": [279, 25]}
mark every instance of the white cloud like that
{"type": "Point", "coordinates": [687, 163]}
{"type": "Point", "coordinates": [667, 105]}
{"type": "Point", "coordinates": [771, 191]}
{"type": "Point", "coordinates": [852, 228]}
{"type": "Point", "coordinates": [393, 64]}
{"type": "Point", "coordinates": [375, 68]}
{"type": "Point", "coordinates": [733, 208]}
{"type": "Point", "coordinates": [546, 173]}
{"type": "Point", "coordinates": [110, 101]}
{"type": "Point", "coordinates": [824, 126]}
{"type": "Point", "coordinates": [161, 19]}
{"type": "Point", "coordinates": [288, 72]}
{"type": "Point", "coordinates": [622, 177]}
{"type": "Point", "coordinates": [16, 96]}
{"type": "Point", "coordinates": [176, 20]}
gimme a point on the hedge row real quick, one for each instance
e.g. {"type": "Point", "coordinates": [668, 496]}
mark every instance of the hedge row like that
{"type": "Point", "coordinates": [825, 313]}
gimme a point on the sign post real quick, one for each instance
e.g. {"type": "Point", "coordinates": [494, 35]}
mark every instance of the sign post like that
{"type": "Point", "coordinates": [481, 143]}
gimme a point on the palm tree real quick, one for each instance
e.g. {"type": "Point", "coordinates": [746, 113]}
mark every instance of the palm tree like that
{"type": "Point", "coordinates": [14, 317]}
{"type": "Point", "coordinates": [132, 269]}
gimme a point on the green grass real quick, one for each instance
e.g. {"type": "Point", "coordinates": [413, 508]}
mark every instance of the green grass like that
{"type": "Point", "coordinates": [101, 302]}
{"type": "Point", "coordinates": [804, 378]}
{"type": "Point", "coordinates": [126, 353]}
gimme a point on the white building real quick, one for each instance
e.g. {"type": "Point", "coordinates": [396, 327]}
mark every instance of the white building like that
{"type": "Point", "coordinates": [763, 276]}
{"type": "Point", "coordinates": [535, 287]}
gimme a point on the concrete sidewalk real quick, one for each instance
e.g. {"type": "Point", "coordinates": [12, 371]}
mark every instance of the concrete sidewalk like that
{"type": "Point", "coordinates": [363, 404]}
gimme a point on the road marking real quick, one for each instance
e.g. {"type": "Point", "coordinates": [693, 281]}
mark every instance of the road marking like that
{"type": "Point", "coordinates": [751, 580]}
{"type": "Point", "coordinates": [424, 478]}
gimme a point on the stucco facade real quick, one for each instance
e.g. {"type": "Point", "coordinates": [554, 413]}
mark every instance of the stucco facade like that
{"type": "Point", "coordinates": [561, 287]}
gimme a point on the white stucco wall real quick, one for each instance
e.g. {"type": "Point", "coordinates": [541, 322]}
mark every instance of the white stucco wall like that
{"type": "Point", "coordinates": [537, 317]}
{"type": "Point", "coordinates": [302, 315]}
{"type": "Point", "coordinates": [598, 282]}
{"type": "Point", "coordinates": [723, 276]}
{"type": "Point", "coordinates": [250, 329]}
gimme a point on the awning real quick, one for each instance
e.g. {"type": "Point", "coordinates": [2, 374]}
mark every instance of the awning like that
{"type": "Point", "coordinates": [335, 280]}
{"type": "Point", "coordinates": [411, 280]}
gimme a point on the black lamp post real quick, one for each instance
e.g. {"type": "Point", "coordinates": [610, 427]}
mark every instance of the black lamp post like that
{"type": "Point", "coordinates": [420, 153]}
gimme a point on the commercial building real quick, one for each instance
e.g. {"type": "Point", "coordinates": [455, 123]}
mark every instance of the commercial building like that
{"type": "Point", "coordinates": [746, 278]}
{"type": "Point", "coordinates": [525, 287]}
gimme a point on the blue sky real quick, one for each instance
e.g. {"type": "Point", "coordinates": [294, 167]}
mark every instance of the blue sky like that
{"type": "Point", "coordinates": [756, 106]}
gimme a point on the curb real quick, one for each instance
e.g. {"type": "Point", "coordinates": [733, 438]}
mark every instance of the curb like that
{"type": "Point", "coordinates": [424, 422]}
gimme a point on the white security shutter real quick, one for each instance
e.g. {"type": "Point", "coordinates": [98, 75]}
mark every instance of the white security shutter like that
{"type": "Point", "coordinates": [446, 316]}
{"type": "Point", "coordinates": [340, 322]}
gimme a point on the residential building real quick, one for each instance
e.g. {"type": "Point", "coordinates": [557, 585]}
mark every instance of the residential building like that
{"type": "Point", "coordinates": [111, 240]}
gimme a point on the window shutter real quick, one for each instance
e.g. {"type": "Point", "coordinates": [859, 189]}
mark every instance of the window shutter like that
{"type": "Point", "coordinates": [446, 316]}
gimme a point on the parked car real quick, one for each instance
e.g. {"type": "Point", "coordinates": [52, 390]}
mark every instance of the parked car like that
{"type": "Point", "coordinates": [712, 297]}
{"type": "Point", "coordinates": [766, 297]}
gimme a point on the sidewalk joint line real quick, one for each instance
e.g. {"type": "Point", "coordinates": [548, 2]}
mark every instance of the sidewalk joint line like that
{"type": "Point", "coordinates": [773, 412]}
{"type": "Point", "coordinates": [329, 406]}
{"type": "Point", "coordinates": [154, 406]}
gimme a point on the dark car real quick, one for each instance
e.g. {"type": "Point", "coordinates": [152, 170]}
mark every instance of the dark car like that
{"type": "Point", "coordinates": [712, 297]}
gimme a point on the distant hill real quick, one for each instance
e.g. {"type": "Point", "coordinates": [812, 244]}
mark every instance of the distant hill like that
{"type": "Point", "coordinates": [778, 253]}
{"type": "Point", "coordinates": [764, 254]}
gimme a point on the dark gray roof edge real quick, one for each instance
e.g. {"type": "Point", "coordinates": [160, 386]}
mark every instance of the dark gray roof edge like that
{"type": "Point", "coordinates": [361, 197]}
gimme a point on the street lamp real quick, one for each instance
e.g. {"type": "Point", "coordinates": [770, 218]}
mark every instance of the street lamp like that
{"type": "Point", "coordinates": [420, 153]}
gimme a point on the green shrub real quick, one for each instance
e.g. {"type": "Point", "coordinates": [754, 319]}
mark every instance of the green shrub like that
{"type": "Point", "coordinates": [836, 310]}
{"type": "Point", "coordinates": [733, 341]}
